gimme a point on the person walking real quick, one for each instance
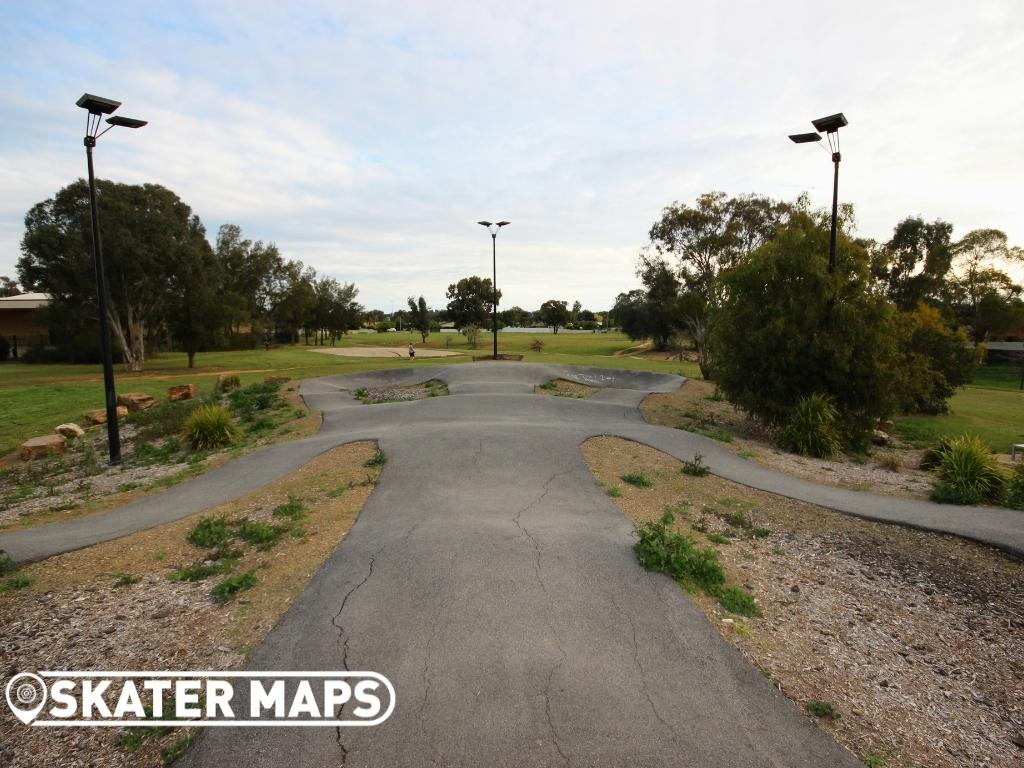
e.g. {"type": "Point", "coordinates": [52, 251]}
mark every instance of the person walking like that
{"type": "Point", "coordinates": [412, 352]}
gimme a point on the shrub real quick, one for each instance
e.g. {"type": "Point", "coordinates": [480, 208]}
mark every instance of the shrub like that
{"type": "Point", "coordinates": [737, 600]}
{"type": "Point", "coordinates": [246, 403]}
{"type": "Point", "coordinates": [18, 580]}
{"type": "Point", "coordinates": [229, 383]}
{"type": "Point", "coordinates": [812, 428]}
{"type": "Point", "coordinates": [293, 509]}
{"type": "Point", "coordinates": [638, 480]}
{"type": "Point", "coordinates": [210, 426]}
{"type": "Point", "coordinates": [163, 419]}
{"type": "Point", "coordinates": [209, 532]}
{"type": "Point", "coordinates": [822, 709]}
{"type": "Point", "coordinates": [377, 461]}
{"type": "Point", "coordinates": [536, 345]}
{"type": "Point", "coordinates": [696, 467]}
{"type": "Point", "coordinates": [614, 491]}
{"type": "Point", "coordinates": [259, 534]}
{"type": "Point", "coordinates": [6, 564]}
{"type": "Point", "coordinates": [228, 588]}
{"type": "Point", "coordinates": [1015, 489]}
{"type": "Point", "coordinates": [669, 552]}
{"type": "Point", "coordinates": [201, 571]}
{"type": "Point", "coordinates": [968, 473]}
{"type": "Point", "coordinates": [933, 456]}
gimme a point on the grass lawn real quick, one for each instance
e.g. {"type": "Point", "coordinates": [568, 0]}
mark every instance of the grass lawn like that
{"type": "Point", "coordinates": [36, 398]}
{"type": "Point", "coordinates": [996, 416]}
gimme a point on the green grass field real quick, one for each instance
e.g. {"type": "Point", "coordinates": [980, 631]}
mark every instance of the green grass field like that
{"type": "Point", "coordinates": [36, 398]}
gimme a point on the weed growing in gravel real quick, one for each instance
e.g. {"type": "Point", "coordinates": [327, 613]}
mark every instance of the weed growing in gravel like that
{"type": "Point", "coordinates": [1015, 490]}
{"type": "Point", "coordinates": [6, 564]}
{"type": "Point", "coordinates": [361, 394]}
{"type": "Point", "coordinates": [18, 581]}
{"type": "Point", "coordinates": [739, 519]}
{"type": "Point", "coordinates": [201, 571]}
{"type": "Point", "coordinates": [209, 532]}
{"type": "Point", "coordinates": [124, 579]}
{"type": "Point", "coordinates": [336, 492]}
{"type": "Point", "coordinates": [293, 509]}
{"type": "Point", "coordinates": [737, 600]}
{"type": "Point", "coordinates": [871, 760]}
{"type": "Point", "coordinates": [637, 480]}
{"type": "Point", "coordinates": [378, 460]}
{"type": "Point", "coordinates": [717, 538]}
{"type": "Point", "coordinates": [227, 589]}
{"type": "Point", "coordinates": [176, 748]}
{"type": "Point", "coordinates": [696, 467]}
{"type": "Point", "coordinates": [248, 402]}
{"type": "Point", "coordinates": [825, 709]}
{"type": "Point", "coordinates": [614, 491]}
{"type": "Point", "coordinates": [259, 534]}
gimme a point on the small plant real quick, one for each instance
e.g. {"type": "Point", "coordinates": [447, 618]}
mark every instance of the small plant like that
{"type": "Point", "coordinates": [209, 532]}
{"type": "Point", "coordinates": [871, 760]}
{"type": "Point", "coordinates": [778, 551]}
{"type": "Point", "coordinates": [336, 492]}
{"type": "Point", "coordinates": [536, 345]}
{"type": "Point", "coordinates": [259, 534]}
{"type": "Point", "coordinates": [227, 589]}
{"type": "Point", "coordinates": [666, 551]}
{"type": "Point", "coordinates": [163, 419]}
{"type": "Point", "coordinates": [246, 403]}
{"type": "Point", "coordinates": [124, 579]}
{"type": "Point", "coordinates": [737, 600]}
{"type": "Point", "coordinates": [293, 509]}
{"type": "Point", "coordinates": [229, 383]}
{"type": "Point", "coordinates": [813, 428]}
{"type": "Point", "coordinates": [891, 462]}
{"type": "Point", "coordinates": [718, 538]}
{"type": "Point", "coordinates": [1015, 489]}
{"type": "Point", "coordinates": [7, 565]}
{"type": "Point", "coordinates": [377, 461]}
{"type": "Point", "coordinates": [614, 491]}
{"type": "Point", "coordinates": [210, 426]}
{"type": "Point", "coordinates": [176, 748]}
{"type": "Point", "coordinates": [18, 581]}
{"type": "Point", "coordinates": [760, 533]}
{"type": "Point", "coordinates": [968, 474]}
{"type": "Point", "coordinates": [823, 709]}
{"type": "Point", "coordinates": [696, 467]}
{"type": "Point", "coordinates": [637, 480]}
{"type": "Point", "coordinates": [201, 571]}
{"type": "Point", "coordinates": [125, 487]}
{"type": "Point", "coordinates": [361, 394]}
{"type": "Point", "coordinates": [739, 519]}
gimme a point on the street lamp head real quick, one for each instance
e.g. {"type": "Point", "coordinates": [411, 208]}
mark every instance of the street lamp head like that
{"type": "Point", "coordinates": [126, 122]}
{"type": "Point", "coordinates": [484, 223]}
{"type": "Point", "coordinates": [804, 138]}
{"type": "Point", "coordinates": [830, 124]}
{"type": "Point", "coordinates": [504, 223]}
{"type": "Point", "coordinates": [97, 105]}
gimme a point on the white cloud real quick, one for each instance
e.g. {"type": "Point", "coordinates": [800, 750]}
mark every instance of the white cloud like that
{"type": "Point", "coordinates": [367, 140]}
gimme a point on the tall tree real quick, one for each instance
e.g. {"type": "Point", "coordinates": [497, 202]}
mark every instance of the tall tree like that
{"type": "Point", "coordinates": [194, 308]}
{"type": "Point", "coordinates": [656, 312]}
{"type": "Point", "coordinates": [419, 317]}
{"type": "Point", "coordinates": [8, 287]}
{"type": "Point", "coordinates": [554, 313]}
{"type": "Point", "coordinates": [470, 301]}
{"type": "Point", "coordinates": [911, 266]}
{"type": "Point", "coordinates": [145, 230]}
{"type": "Point", "coordinates": [980, 259]}
{"type": "Point", "coordinates": [255, 269]}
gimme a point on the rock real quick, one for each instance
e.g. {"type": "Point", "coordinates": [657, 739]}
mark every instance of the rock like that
{"type": "Point", "coordinates": [41, 447]}
{"type": "Point", "coordinates": [163, 613]}
{"type": "Point", "coordinates": [135, 401]}
{"type": "Point", "coordinates": [878, 437]}
{"type": "Point", "coordinates": [183, 392]}
{"type": "Point", "coordinates": [69, 430]}
{"type": "Point", "coordinates": [99, 416]}
{"type": "Point", "coordinates": [795, 588]}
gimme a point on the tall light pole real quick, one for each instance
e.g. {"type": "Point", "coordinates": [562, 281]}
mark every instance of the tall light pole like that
{"type": "Point", "coordinates": [830, 125]}
{"type": "Point", "coordinates": [493, 229]}
{"type": "Point", "coordinates": [96, 108]}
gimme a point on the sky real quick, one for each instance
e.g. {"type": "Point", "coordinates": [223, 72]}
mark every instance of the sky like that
{"type": "Point", "coordinates": [367, 139]}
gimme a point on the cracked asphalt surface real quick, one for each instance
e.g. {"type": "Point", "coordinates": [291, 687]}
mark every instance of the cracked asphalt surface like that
{"type": "Point", "coordinates": [494, 584]}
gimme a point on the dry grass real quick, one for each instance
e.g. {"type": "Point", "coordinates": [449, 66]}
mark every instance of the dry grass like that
{"type": "Point", "coordinates": [915, 638]}
{"type": "Point", "coordinates": [73, 617]}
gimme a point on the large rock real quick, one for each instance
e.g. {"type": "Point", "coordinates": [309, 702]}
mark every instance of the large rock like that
{"type": "Point", "coordinates": [135, 401]}
{"type": "Point", "coordinates": [41, 447]}
{"type": "Point", "coordinates": [183, 392]}
{"type": "Point", "coordinates": [69, 430]}
{"type": "Point", "coordinates": [100, 416]}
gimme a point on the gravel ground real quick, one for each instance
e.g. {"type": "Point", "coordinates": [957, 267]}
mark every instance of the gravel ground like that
{"type": "Point", "coordinates": [395, 394]}
{"type": "Point", "coordinates": [73, 617]}
{"type": "Point", "coordinates": [916, 638]}
{"type": "Point", "coordinates": [892, 470]}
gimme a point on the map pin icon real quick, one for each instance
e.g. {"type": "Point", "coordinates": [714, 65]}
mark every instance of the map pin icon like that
{"type": "Point", "coordinates": [26, 695]}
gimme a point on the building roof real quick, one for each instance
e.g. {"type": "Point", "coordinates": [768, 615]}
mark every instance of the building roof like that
{"type": "Point", "coordinates": [25, 301]}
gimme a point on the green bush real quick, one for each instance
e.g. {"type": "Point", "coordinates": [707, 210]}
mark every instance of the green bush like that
{"type": "Point", "coordinates": [812, 428]}
{"type": "Point", "coordinates": [6, 564]}
{"type": "Point", "coordinates": [209, 532]}
{"type": "Point", "coordinates": [209, 427]}
{"type": "Point", "coordinates": [824, 709]}
{"type": "Point", "coordinates": [737, 600]}
{"type": "Point", "coordinates": [259, 534]}
{"type": "Point", "coordinates": [659, 549]}
{"type": "Point", "coordinates": [377, 461]}
{"type": "Point", "coordinates": [696, 467]}
{"type": "Point", "coordinates": [293, 509]}
{"type": "Point", "coordinates": [933, 456]}
{"type": "Point", "coordinates": [229, 383]}
{"type": "Point", "coordinates": [18, 581]}
{"type": "Point", "coordinates": [230, 587]}
{"type": "Point", "coordinates": [163, 419]}
{"type": "Point", "coordinates": [201, 571]}
{"type": "Point", "coordinates": [246, 403]}
{"type": "Point", "coordinates": [968, 473]}
{"type": "Point", "coordinates": [1015, 489]}
{"type": "Point", "coordinates": [638, 480]}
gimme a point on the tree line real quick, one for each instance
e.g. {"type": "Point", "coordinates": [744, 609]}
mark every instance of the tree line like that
{"type": "Point", "coordinates": [746, 278]}
{"type": "Point", "coordinates": [166, 282]}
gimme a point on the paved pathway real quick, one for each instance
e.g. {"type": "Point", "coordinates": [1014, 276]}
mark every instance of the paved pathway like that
{"type": "Point", "coordinates": [493, 583]}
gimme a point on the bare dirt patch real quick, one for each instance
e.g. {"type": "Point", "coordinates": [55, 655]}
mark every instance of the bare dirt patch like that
{"type": "Point", "coordinates": [565, 388]}
{"type": "Point", "coordinates": [915, 638]}
{"type": "Point", "coordinates": [893, 470]}
{"type": "Point", "coordinates": [72, 616]}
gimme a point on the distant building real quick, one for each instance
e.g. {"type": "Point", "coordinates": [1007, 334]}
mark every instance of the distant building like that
{"type": "Point", "coordinates": [21, 319]}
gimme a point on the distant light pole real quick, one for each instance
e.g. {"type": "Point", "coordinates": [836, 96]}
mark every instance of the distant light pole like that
{"type": "Point", "coordinates": [97, 107]}
{"type": "Point", "coordinates": [493, 229]}
{"type": "Point", "coordinates": [830, 125]}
